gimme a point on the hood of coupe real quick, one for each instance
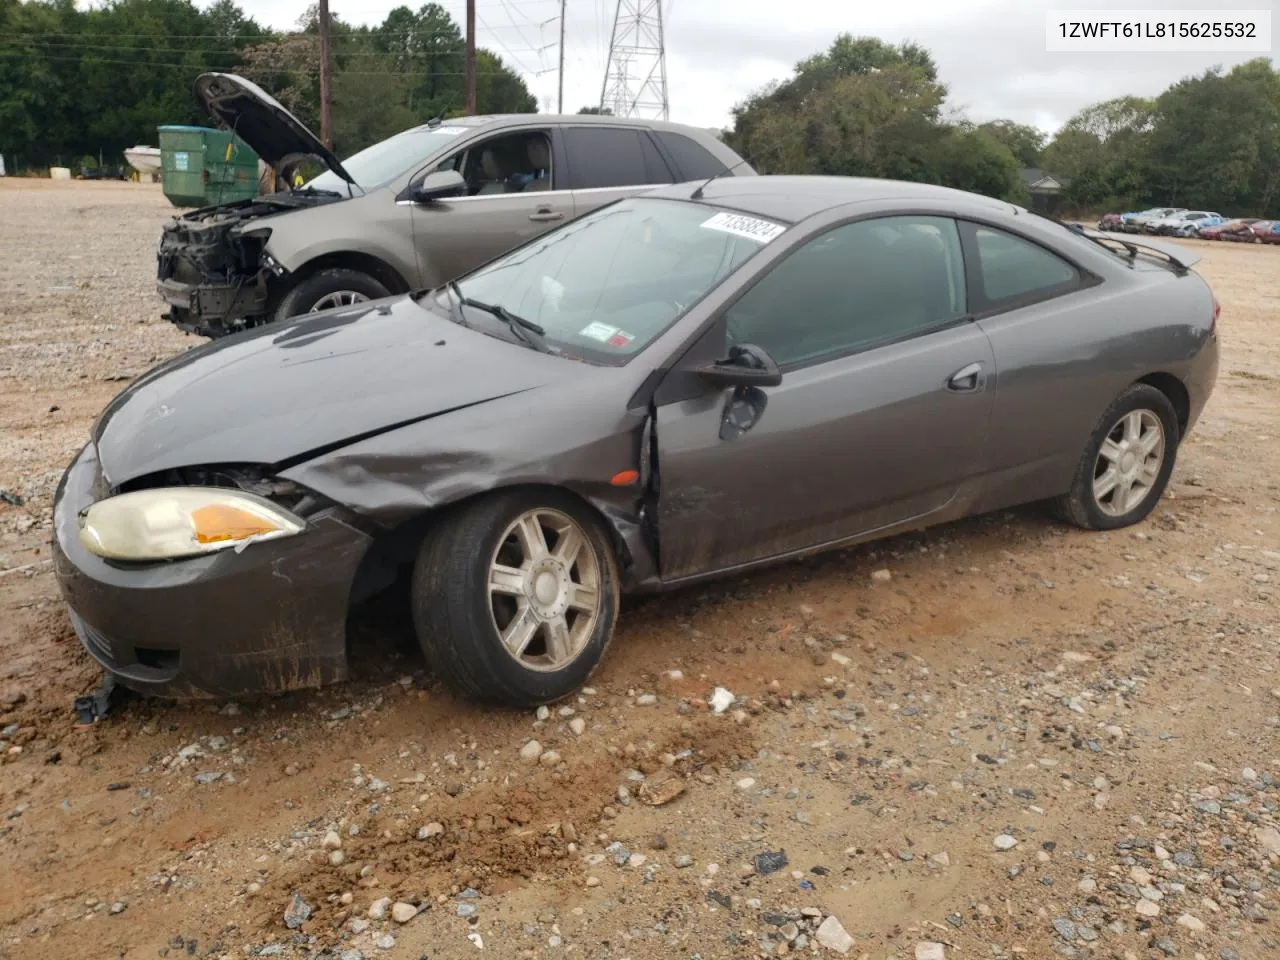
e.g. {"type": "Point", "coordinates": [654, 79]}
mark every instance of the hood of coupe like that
{"type": "Point", "coordinates": [280, 392]}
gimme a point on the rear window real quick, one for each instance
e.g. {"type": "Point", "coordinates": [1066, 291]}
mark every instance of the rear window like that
{"type": "Point", "coordinates": [695, 162]}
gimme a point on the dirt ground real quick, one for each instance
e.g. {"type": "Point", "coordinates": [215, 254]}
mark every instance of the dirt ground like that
{"type": "Point", "coordinates": [1027, 742]}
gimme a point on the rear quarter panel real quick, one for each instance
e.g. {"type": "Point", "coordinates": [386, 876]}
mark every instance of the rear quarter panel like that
{"type": "Point", "coordinates": [1060, 364]}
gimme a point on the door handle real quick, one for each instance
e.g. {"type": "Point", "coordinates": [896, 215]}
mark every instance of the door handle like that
{"type": "Point", "coordinates": [544, 214]}
{"type": "Point", "coordinates": [967, 379]}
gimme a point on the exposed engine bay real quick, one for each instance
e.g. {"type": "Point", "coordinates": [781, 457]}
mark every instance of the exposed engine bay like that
{"type": "Point", "coordinates": [212, 269]}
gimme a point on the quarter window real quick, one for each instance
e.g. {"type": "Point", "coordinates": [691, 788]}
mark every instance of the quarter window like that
{"type": "Point", "coordinates": [1012, 268]}
{"type": "Point", "coordinates": [859, 285]}
{"type": "Point", "coordinates": [613, 157]}
{"type": "Point", "coordinates": [695, 161]}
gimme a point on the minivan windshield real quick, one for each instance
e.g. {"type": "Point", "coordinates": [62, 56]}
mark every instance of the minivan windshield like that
{"type": "Point", "coordinates": [604, 286]}
{"type": "Point", "coordinates": [381, 163]}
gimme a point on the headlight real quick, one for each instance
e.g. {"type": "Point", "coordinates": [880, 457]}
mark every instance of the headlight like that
{"type": "Point", "coordinates": [174, 522]}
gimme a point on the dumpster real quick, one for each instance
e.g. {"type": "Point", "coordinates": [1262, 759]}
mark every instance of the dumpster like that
{"type": "Point", "coordinates": [203, 166]}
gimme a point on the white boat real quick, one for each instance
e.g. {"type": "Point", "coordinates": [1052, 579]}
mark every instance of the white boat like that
{"type": "Point", "coordinates": [143, 159]}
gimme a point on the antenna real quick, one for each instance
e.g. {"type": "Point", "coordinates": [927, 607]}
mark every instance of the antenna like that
{"type": "Point", "coordinates": [635, 80]}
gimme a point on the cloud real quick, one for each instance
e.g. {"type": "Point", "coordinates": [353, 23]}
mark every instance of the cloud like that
{"type": "Point", "coordinates": [990, 53]}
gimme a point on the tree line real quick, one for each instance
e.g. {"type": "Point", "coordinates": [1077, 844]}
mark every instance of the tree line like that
{"type": "Point", "coordinates": [868, 108]}
{"type": "Point", "coordinates": [76, 83]}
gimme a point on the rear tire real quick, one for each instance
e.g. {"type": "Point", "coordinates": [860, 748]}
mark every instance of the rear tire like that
{"type": "Point", "coordinates": [328, 289]}
{"type": "Point", "coordinates": [1126, 464]}
{"type": "Point", "coordinates": [515, 597]}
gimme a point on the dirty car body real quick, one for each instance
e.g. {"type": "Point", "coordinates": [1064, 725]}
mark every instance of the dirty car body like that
{"type": "Point", "coordinates": [412, 211]}
{"type": "Point", "coordinates": [690, 383]}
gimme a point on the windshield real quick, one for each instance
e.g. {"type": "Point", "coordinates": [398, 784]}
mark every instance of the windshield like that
{"type": "Point", "coordinates": [381, 163]}
{"type": "Point", "coordinates": [604, 286]}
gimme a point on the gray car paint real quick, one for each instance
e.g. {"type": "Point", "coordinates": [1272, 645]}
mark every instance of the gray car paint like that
{"type": "Point", "coordinates": [842, 451]}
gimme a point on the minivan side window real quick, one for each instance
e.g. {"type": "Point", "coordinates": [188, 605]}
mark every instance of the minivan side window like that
{"type": "Point", "coordinates": [695, 161]}
{"type": "Point", "coordinates": [613, 157]}
{"type": "Point", "coordinates": [1013, 269]}
{"type": "Point", "coordinates": [855, 287]}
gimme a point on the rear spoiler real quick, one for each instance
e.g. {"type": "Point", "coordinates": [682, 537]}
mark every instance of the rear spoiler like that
{"type": "Point", "coordinates": [1181, 258]}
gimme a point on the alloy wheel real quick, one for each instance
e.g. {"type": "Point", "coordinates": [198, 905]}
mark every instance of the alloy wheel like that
{"type": "Point", "coordinates": [339, 298]}
{"type": "Point", "coordinates": [1128, 463]}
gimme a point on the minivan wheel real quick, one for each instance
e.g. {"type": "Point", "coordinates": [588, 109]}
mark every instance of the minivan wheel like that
{"type": "Point", "coordinates": [1126, 464]}
{"type": "Point", "coordinates": [515, 597]}
{"type": "Point", "coordinates": [326, 289]}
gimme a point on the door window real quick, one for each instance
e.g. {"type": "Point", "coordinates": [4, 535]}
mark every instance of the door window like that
{"type": "Point", "coordinates": [613, 157]}
{"type": "Point", "coordinates": [1014, 269]}
{"type": "Point", "coordinates": [510, 163]}
{"type": "Point", "coordinates": [859, 285]}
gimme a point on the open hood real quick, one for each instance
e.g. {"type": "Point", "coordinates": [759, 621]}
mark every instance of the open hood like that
{"type": "Point", "coordinates": [261, 120]}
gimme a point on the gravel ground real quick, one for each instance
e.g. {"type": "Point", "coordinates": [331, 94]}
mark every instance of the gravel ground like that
{"type": "Point", "coordinates": [1001, 738]}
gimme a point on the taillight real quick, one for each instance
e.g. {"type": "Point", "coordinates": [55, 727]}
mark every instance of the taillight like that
{"type": "Point", "coordinates": [1213, 324]}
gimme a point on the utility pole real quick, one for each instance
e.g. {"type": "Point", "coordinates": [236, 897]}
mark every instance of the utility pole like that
{"type": "Point", "coordinates": [560, 102]}
{"type": "Point", "coordinates": [470, 69]}
{"type": "Point", "coordinates": [326, 80]}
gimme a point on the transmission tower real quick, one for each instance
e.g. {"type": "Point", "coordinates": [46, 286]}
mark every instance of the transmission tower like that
{"type": "Point", "coordinates": [635, 80]}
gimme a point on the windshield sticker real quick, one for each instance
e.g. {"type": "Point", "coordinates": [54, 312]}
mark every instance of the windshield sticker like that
{"type": "Point", "coordinates": [761, 231]}
{"type": "Point", "coordinates": [620, 339]}
{"type": "Point", "coordinates": [598, 331]}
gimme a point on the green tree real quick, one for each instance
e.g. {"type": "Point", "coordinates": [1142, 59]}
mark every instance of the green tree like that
{"type": "Point", "coordinates": [1024, 142]}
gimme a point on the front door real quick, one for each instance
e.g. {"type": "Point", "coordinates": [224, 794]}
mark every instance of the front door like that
{"type": "Point", "coordinates": [881, 415]}
{"type": "Point", "coordinates": [512, 197]}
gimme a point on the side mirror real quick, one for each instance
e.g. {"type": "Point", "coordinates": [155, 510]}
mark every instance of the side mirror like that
{"type": "Point", "coordinates": [437, 185]}
{"type": "Point", "coordinates": [746, 366]}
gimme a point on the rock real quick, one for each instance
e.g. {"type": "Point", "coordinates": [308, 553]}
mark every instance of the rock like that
{"type": "Point", "coordinates": [657, 793]}
{"type": "Point", "coordinates": [118, 907]}
{"type": "Point", "coordinates": [297, 913]}
{"type": "Point", "coordinates": [378, 909]}
{"type": "Point", "coordinates": [1147, 909]}
{"type": "Point", "coordinates": [770, 861]}
{"type": "Point", "coordinates": [646, 700]}
{"type": "Point", "coordinates": [619, 854]}
{"type": "Point", "coordinates": [721, 700]}
{"type": "Point", "coordinates": [1005, 842]}
{"type": "Point", "coordinates": [683, 861]}
{"type": "Point", "coordinates": [1268, 838]}
{"type": "Point", "coordinates": [841, 659]}
{"type": "Point", "coordinates": [432, 829]}
{"type": "Point", "coordinates": [929, 950]}
{"type": "Point", "coordinates": [881, 576]}
{"type": "Point", "coordinates": [351, 955]}
{"type": "Point", "coordinates": [332, 841]}
{"type": "Point", "coordinates": [403, 912]}
{"type": "Point", "coordinates": [578, 726]}
{"type": "Point", "coordinates": [359, 925]}
{"type": "Point", "coordinates": [1194, 924]}
{"type": "Point", "coordinates": [657, 842]}
{"type": "Point", "coordinates": [337, 858]}
{"type": "Point", "coordinates": [549, 759]}
{"type": "Point", "coordinates": [1065, 928]}
{"type": "Point", "coordinates": [746, 783]}
{"type": "Point", "coordinates": [543, 713]}
{"type": "Point", "coordinates": [207, 778]}
{"type": "Point", "coordinates": [531, 751]}
{"type": "Point", "coordinates": [385, 942]}
{"type": "Point", "coordinates": [832, 935]}
{"type": "Point", "coordinates": [593, 881]}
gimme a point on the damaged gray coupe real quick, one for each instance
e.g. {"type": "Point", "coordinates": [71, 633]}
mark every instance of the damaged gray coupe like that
{"type": "Point", "coordinates": [676, 386]}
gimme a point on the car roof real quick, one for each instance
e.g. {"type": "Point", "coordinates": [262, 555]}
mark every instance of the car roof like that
{"type": "Point", "coordinates": [795, 198]}
{"type": "Point", "coordinates": [505, 119]}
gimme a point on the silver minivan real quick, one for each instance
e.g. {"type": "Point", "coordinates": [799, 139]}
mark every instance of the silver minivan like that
{"type": "Point", "coordinates": [412, 212]}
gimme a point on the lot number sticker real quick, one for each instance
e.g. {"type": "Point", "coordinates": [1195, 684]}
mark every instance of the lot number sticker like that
{"type": "Point", "coordinates": [761, 231]}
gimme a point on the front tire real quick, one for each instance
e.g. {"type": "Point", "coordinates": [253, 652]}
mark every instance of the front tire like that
{"type": "Point", "coordinates": [515, 597]}
{"type": "Point", "coordinates": [327, 289]}
{"type": "Point", "coordinates": [1126, 464]}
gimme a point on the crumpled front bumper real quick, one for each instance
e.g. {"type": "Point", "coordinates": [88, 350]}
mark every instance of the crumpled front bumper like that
{"type": "Point", "coordinates": [271, 617]}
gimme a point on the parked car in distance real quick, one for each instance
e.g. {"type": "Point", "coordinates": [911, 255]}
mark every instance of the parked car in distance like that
{"type": "Point", "coordinates": [1181, 224]}
{"type": "Point", "coordinates": [1266, 231]}
{"type": "Point", "coordinates": [1136, 222]}
{"type": "Point", "coordinates": [1111, 221]}
{"type": "Point", "coordinates": [1237, 229]}
{"type": "Point", "coordinates": [413, 211]}
{"type": "Point", "coordinates": [806, 362]}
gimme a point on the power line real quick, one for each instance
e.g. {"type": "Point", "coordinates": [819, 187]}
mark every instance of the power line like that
{"type": "Point", "coordinates": [198, 66]}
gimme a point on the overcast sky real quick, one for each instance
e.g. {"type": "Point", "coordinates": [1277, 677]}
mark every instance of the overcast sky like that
{"type": "Point", "coordinates": [990, 53]}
